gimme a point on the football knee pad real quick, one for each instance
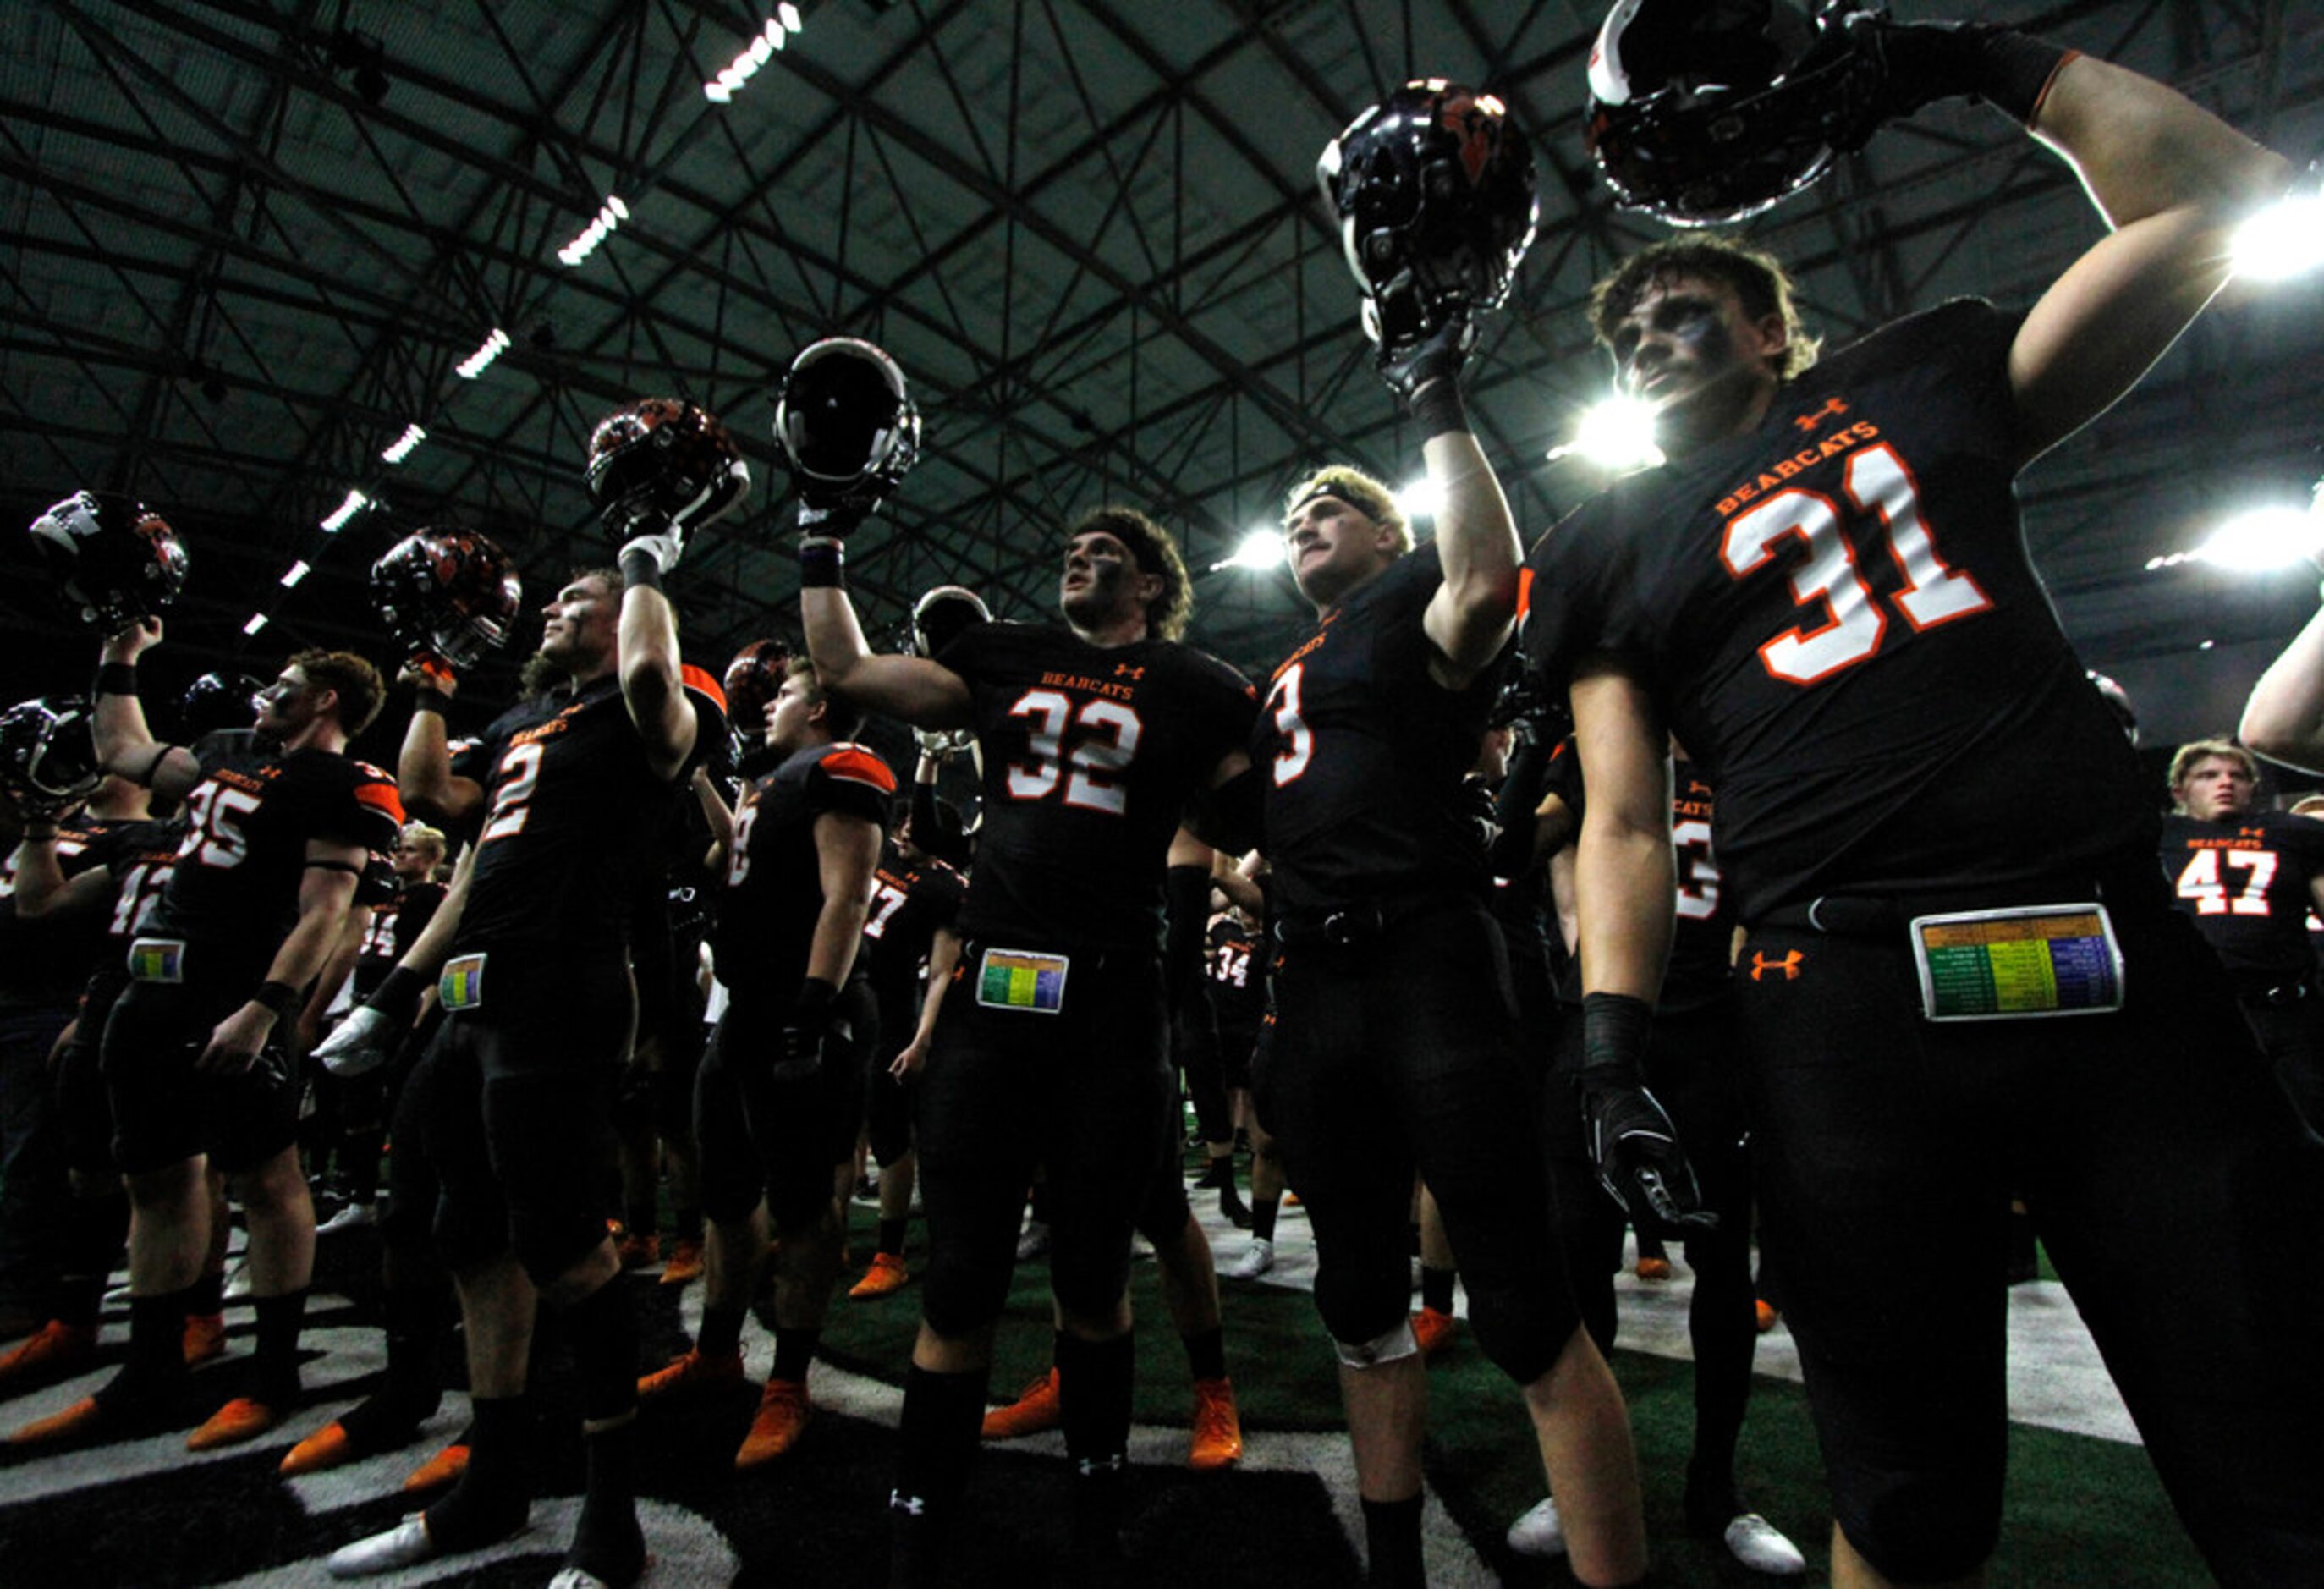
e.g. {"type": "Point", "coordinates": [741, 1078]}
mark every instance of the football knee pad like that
{"type": "Point", "coordinates": [1382, 1349]}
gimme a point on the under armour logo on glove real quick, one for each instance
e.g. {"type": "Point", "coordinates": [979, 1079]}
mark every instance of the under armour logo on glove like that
{"type": "Point", "coordinates": [1639, 1162]}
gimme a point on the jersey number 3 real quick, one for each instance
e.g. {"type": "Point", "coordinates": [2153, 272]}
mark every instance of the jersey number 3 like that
{"type": "Point", "coordinates": [1101, 753]}
{"type": "Point", "coordinates": [1877, 482]}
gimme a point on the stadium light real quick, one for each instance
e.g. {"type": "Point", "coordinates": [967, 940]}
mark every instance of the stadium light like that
{"type": "Point", "coordinates": [355, 504]}
{"type": "Point", "coordinates": [760, 50]}
{"type": "Point", "coordinates": [2286, 239]}
{"type": "Point", "coordinates": [610, 214]}
{"type": "Point", "coordinates": [295, 573]}
{"type": "Point", "coordinates": [1423, 499]}
{"type": "Point", "coordinates": [492, 348]}
{"type": "Point", "coordinates": [401, 447]}
{"type": "Point", "coordinates": [2261, 539]}
{"type": "Point", "coordinates": [1616, 435]}
{"type": "Point", "coordinates": [257, 621]}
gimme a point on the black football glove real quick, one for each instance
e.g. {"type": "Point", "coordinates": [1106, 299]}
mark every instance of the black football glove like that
{"type": "Point", "coordinates": [834, 518]}
{"type": "Point", "coordinates": [1897, 67]}
{"type": "Point", "coordinates": [1410, 365]}
{"type": "Point", "coordinates": [1631, 1140]}
{"type": "Point", "coordinates": [808, 1028]}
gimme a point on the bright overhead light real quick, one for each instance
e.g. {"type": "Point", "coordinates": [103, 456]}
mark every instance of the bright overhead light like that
{"type": "Point", "coordinates": [1423, 499]}
{"type": "Point", "coordinates": [2264, 538]}
{"type": "Point", "coordinates": [751, 57]}
{"type": "Point", "coordinates": [1617, 434]}
{"type": "Point", "coordinates": [257, 621]}
{"type": "Point", "coordinates": [2284, 240]}
{"type": "Point", "coordinates": [355, 503]}
{"type": "Point", "coordinates": [610, 214]}
{"type": "Point", "coordinates": [295, 573]}
{"type": "Point", "coordinates": [490, 348]}
{"type": "Point", "coordinates": [402, 445]}
{"type": "Point", "coordinates": [1261, 549]}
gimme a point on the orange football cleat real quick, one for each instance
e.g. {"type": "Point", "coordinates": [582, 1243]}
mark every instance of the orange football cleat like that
{"type": "Point", "coordinates": [1653, 1269]}
{"type": "Point", "coordinates": [1033, 1412]}
{"type": "Point", "coordinates": [50, 1353]}
{"type": "Point", "coordinates": [1433, 1330]}
{"type": "Point", "coordinates": [685, 1263]}
{"type": "Point", "coordinates": [242, 1418]}
{"type": "Point", "coordinates": [783, 1413]}
{"type": "Point", "coordinates": [443, 1468]}
{"type": "Point", "coordinates": [327, 1448]}
{"type": "Point", "coordinates": [205, 1337]}
{"type": "Point", "coordinates": [1217, 1440]}
{"type": "Point", "coordinates": [1767, 1316]}
{"type": "Point", "coordinates": [886, 1274]}
{"type": "Point", "coordinates": [638, 1251]}
{"type": "Point", "coordinates": [83, 1419]}
{"type": "Point", "coordinates": [692, 1371]}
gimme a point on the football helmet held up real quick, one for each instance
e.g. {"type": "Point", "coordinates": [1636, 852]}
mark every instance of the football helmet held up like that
{"type": "Point", "coordinates": [846, 424]}
{"type": "Point", "coordinates": [218, 700]}
{"type": "Point", "coordinates": [663, 465]}
{"type": "Point", "coordinates": [941, 614]}
{"type": "Point", "coordinates": [1433, 190]}
{"type": "Point", "coordinates": [452, 593]}
{"type": "Point", "coordinates": [753, 679]}
{"type": "Point", "coordinates": [117, 561]}
{"type": "Point", "coordinates": [1705, 115]}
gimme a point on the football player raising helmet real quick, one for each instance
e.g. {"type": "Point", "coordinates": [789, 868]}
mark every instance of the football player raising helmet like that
{"type": "Point", "coordinates": [449, 594]}
{"type": "Point", "coordinates": [847, 427]}
{"type": "Point", "coordinates": [116, 560]}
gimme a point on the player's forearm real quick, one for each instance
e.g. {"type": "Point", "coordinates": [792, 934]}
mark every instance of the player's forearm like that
{"type": "Point", "coordinates": [423, 766]}
{"type": "Point", "coordinates": [2284, 718]}
{"type": "Point", "coordinates": [300, 959]}
{"type": "Point", "coordinates": [125, 746]}
{"type": "Point", "coordinates": [838, 931]}
{"type": "Point", "coordinates": [1625, 886]}
{"type": "Point", "coordinates": [944, 958]}
{"type": "Point", "coordinates": [2144, 148]}
{"type": "Point", "coordinates": [1477, 540]}
{"type": "Point", "coordinates": [429, 950]}
{"type": "Point", "coordinates": [652, 686]}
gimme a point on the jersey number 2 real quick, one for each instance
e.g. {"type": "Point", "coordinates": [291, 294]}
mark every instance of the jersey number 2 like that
{"type": "Point", "coordinates": [1109, 739]}
{"type": "Point", "coordinates": [1878, 481]}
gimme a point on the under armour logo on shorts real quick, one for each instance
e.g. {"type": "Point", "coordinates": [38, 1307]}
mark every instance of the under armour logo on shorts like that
{"type": "Point", "coordinates": [1789, 966]}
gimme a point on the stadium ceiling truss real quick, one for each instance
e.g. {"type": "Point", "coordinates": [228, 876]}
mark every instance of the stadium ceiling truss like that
{"type": "Point", "coordinates": [245, 243]}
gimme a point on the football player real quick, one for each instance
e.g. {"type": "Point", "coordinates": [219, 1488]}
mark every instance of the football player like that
{"type": "Point", "coordinates": [2249, 878]}
{"type": "Point", "coordinates": [1097, 734]}
{"type": "Point", "coordinates": [194, 1068]}
{"type": "Point", "coordinates": [780, 1096]}
{"type": "Point", "coordinates": [1824, 592]}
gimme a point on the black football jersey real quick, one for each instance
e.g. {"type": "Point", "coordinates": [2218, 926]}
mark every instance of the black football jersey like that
{"type": "Point", "coordinates": [1091, 755]}
{"type": "Point", "coordinates": [44, 962]}
{"type": "Point", "coordinates": [140, 857]}
{"type": "Point", "coordinates": [234, 889]}
{"type": "Point", "coordinates": [910, 900]}
{"type": "Point", "coordinates": [1837, 615]}
{"type": "Point", "coordinates": [575, 819]}
{"type": "Point", "coordinates": [2246, 883]}
{"type": "Point", "coordinates": [774, 883]}
{"type": "Point", "coordinates": [1364, 757]}
{"type": "Point", "coordinates": [1236, 964]}
{"type": "Point", "coordinates": [396, 922]}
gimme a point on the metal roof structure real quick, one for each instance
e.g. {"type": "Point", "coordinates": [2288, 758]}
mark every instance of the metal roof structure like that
{"type": "Point", "coordinates": [244, 245]}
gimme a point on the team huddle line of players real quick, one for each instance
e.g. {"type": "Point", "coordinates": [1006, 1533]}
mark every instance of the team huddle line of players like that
{"type": "Point", "coordinates": [1826, 978]}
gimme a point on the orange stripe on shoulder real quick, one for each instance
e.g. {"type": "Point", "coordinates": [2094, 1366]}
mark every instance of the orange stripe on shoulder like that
{"type": "Point", "coordinates": [1524, 593]}
{"type": "Point", "coordinates": [858, 765]}
{"type": "Point", "coordinates": [703, 679]}
{"type": "Point", "coordinates": [381, 798]}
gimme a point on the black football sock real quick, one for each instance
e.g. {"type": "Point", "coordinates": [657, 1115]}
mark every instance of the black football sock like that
{"type": "Point", "coordinates": [1392, 1542]}
{"type": "Point", "coordinates": [1264, 1213]}
{"type": "Point", "coordinates": [607, 1543]}
{"type": "Point", "coordinates": [937, 1442]}
{"type": "Point", "coordinates": [892, 1237]}
{"type": "Point", "coordinates": [274, 1376]}
{"type": "Point", "coordinates": [602, 1331]}
{"type": "Point", "coordinates": [493, 1497]}
{"type": "Point", "coordinates": [1206, 1352]}
{"type": "Point", "coordinates": [1093, 1404]}
{"type": "Point", "coordinates": [1436, 1287]}
{"type": "Point", "coordinates": [205, 1297]}
{"type": "Point", "coordinates": [154, 1379]}
{"type": "Point", "coordinates": [95, 1229]}
{"type": "Point", "coordinates": [794, 1354]}
{"type": "Point", "coordinates": [721, 1335]}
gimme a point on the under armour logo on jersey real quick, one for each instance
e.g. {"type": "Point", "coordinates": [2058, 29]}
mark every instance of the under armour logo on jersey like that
{"type": "Point", "coordinates": [1789, 966]}
{"type": "Point", "coordinates": [1809, 421]}
{"type": "Point", "coordinates": [909, 1505]}
{"type": "Point", "coordinates": [1124, 670]}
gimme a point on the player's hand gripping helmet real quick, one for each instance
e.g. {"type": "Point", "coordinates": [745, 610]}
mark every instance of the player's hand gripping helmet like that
{"type": "Point", "coordinates": [846, 425]}
{"type": "Point", "coordinates": [218, 700]}
{"type": "Point", "coordinates": [1434, 189]}
{"type": "Point", "coordinates": [449, 592]}
{"type": "Point", "coordinates": [116, 560]}
{"type": "Point", "coordinates": [47, 755]}
{"type": "Point", "coordinates": [1705, 114]}
{"type": "Point", "coordinates": [753, 679]}
{"type": "Point", "coordinates": [660, 465]}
